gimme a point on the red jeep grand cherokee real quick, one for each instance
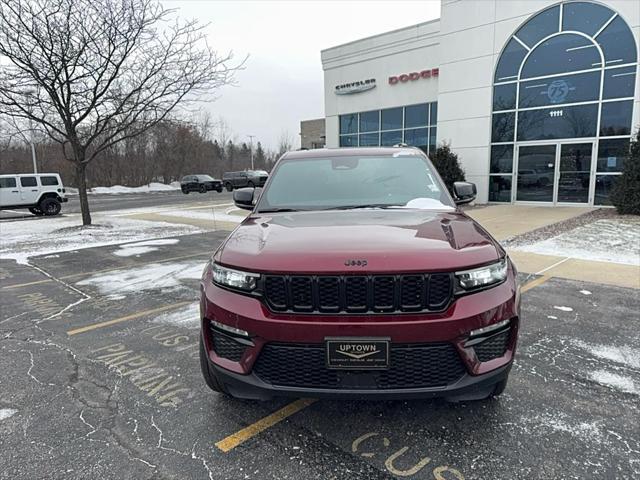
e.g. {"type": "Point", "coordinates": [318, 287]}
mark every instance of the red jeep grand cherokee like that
{"type": "Point", "coordinates": [356, 275]}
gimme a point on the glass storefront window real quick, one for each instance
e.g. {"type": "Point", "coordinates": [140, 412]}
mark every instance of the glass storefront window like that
{"type": "Point", "coordinates": [417, 137]}
{"type": "Point", "coordinates": [615, 118]}
{"type": "Point", "coordinates": [576, 121]}
{"type": "Point", "coordinates": [503, 127]}
{"type": "Point", "coordinates": [604, 185]}
{"type": "Point", "coordinates": [564, 53]}
{"type": "Point", "coordinates": [500, 188]}
{"type": "Point", "coordinates": [611, 154]}
{"type": "Point", "coordinates": [433, 116]}
{"type": "Point", "coordinates": [510, 61]}
{"type": "Point", "coordinates": [617, 43]}
{"type": "Point", "coordinates": [348, 140]}
{"type": "Point", "coordinates": [585, 17]}
{"type": "Point", "coordinates": [504, 96]}
{"type": "Point", "coordinates": [581, 87]}
{"type": "Point", "coordinates": [370, 121]}
{"type": "Point", "coordinates": [432, 139]}
{"type": "Point", "coordinates": [501, 159]}
{"type": "Point", "coordinates": [416, 116]}
{"type": "Point", "coordinates": [391, 118]}
{"type": "Point", "coordinates": [619, 82]}
{"type": "Point", "coordinates": [349, 123]}
{"type": "Point", "coordinates": [369, 140]}
{"type": "Point", "coordinates": [388, 139]}
{"type": "Point", "coordinates": [542, 25]}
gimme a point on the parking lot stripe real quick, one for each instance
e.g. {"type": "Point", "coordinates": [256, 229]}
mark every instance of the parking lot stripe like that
{"type": "Point", "coordinates": [534, 283]}
{"type": "Point", "coordinates": [19, 285]}
{"type": "Point", "coordinates": [232, 441]}
{"type": "Point", "coordinates": [133, 316]}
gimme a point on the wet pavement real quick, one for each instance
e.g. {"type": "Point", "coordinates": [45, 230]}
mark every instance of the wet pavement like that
{"type": "Point", "coordinates": [101, 379]}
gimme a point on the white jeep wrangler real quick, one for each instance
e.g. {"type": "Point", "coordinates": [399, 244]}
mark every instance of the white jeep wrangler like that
{"type": "Point", "coordinates": [41, 193]}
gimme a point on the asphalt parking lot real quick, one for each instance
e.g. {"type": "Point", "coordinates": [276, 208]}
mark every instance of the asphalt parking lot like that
{"type": "Point", "coordinates": [100, 371]}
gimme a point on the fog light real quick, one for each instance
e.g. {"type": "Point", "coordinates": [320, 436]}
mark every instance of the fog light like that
{"type": "Point", "coordinates": [227, 328]}
{"type": "Point", "coordinates": [489, 328]}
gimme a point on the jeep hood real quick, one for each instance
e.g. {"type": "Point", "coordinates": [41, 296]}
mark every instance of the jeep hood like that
{"type": "Point", "coordinates": [388, 240]}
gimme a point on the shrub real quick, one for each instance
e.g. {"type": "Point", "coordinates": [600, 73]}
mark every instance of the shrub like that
{"type": "Point", "coordinates": [625, 195]}
{"type": "Point", "coordinates": [447, 165]}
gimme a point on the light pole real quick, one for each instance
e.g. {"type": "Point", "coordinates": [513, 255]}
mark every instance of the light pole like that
{"type": "Point", "coordinates": [251, 148]}
{"type": "Point", "coordinates": [29, 94]}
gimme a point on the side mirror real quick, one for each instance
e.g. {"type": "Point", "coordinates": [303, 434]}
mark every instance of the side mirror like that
{"type": "Point", "coordinates": [464, 192]}
{"type": "Point", "coordinates": [244, 198]}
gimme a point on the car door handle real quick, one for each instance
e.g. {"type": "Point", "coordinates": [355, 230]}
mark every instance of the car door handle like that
{"type": "Point", "coordinates": [34, 190]}
{"type": "Point", "coordinates": [15, 191]}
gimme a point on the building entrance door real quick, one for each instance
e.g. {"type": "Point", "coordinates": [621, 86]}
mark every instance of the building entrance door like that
{"type": "Point", "coordinates": [554, 173]}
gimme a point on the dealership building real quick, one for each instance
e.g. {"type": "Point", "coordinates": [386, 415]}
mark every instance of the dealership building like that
{"type": "Point", "coordinates": [539, 99]}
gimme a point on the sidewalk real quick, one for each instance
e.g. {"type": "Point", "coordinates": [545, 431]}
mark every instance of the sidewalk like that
{"type": "Point", "coordinates": [506, 221]}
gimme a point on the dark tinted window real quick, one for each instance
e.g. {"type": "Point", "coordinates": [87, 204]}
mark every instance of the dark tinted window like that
{"type": "Point", "coordinates": [391, 118]}
{"type": "Point", "coordinates": [48, 181]}
{"type": "Point", "coordinates": [370, 121]}
{"type": "Point", "coordinates": [7, 182]}
{"type": "Point", "coordinates": [349, 123]}
{"type": "Point", "coordinates": [432, 139]}
{"type": "Point", "coordinates": [604, 185]}
{"type": "Point", "coordinates": [510, 61]}
{"type": "Point", "coordinates": [582, 87]}
{"type": "Point", "coordinates": [611, 154]}
{"type": "Point", "coordinates": [388, 139]}
{"type": "Point", "coordinates": [564, 53]}
{"type": "Point", "coordinates": [369, 140]}
{"type": "Point", "coordinates": [561, 122]}
{"type": "Point", "coordinates": [540, 26]}
{"type": "Point", "coordinates": [619, 82]}
{"type": "Point", "coordinates": [433, 116]}
{"type": "Point", "coordinates": [502, 158]}
{"type": "Point", "coordinates": [584, 17]}
{"type": "Point", "coordinates": [417, 137]}
{"type": "Point", "coordinates": [617, 43]}
{"type": "Point", "coordinates": [348, 140]}
{"type": "Point", "coordinates": [28, 181]}
{"type": "Point", "coordinates": [500, 188]}
{"type": "Point", "coordinates": [502, 128]}
{"type": "Point", "coordinates": [504, 96]}
{"type": "Point", "coordinates": [416, 116]}
{"type": "Point", "coordinates": [616, 118]}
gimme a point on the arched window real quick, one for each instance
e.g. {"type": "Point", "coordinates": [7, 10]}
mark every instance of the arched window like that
{"type": "Point", "coordinates": [569, 72]}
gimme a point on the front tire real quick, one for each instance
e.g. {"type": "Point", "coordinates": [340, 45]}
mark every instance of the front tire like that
{"type": "Point", "coordinates": [209, 377]}
{"type": "Point", "coordinates": [185, 190]}
{"type": "Point", "coordinates": [499, 388]}
{"type": "Point", "coordinates": [228, 186]}
{"type": "Point", "coordinates": [203, 189]}
{"type": "Point", "coordinates": [50, 206]}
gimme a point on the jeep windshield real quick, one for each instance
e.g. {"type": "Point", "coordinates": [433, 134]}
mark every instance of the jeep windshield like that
{"type": "Point", "coordinates": [351, 182]}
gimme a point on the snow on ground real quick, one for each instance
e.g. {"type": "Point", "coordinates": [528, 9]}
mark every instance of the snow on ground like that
{"type": "Point", "coordinates": [119, 189]}
{"type": "Point", "coordinates": [155, 276]}
{"type": "Point", "coordinates": [23, 239]}
{"type": "Point", "coordinates": [139, 248]}
{"type": "Point", "coordinates": [615, 381]}
{"type": "Point", "coordinates": [624, 354]}
{"type": "Point", "coordinates": [217, 214]}
{"type": "Point", "coordinates": [188, 316]}
{"type": "Point", "coordinates": [7, 412]}
{"type": "Point", "coordinates": [563, 309]}
{"type": "Point", "coordinates": [614, 240]}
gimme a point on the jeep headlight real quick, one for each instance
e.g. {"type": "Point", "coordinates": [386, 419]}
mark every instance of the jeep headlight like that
{"type": "Point", "coordinates": [229, 277]}
{"type": "Point", "coordinates": [484, 276]}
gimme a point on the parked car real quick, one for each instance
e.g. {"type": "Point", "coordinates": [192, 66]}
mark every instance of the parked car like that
{"type": "Point", "coordinates": [245, 178]}
{"type": "Point", "coordinates": [41, 193]}
{"type": "Point", "coordinates": [368, 282]}
{"type": "Point", "coordinates": [200, 183]}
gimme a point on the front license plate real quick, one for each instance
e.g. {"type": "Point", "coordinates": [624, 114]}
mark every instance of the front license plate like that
{"type": "Point", "coordinates": [358, 353]}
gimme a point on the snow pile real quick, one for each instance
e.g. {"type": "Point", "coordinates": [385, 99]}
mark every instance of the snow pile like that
{"type": "Point", "coordinates": [187, 316]}
{"type": "Point", "coordinates": [139, 248]}
{"type": "Point", "coordinates": [7, 412]}
{"type": "Point", "coordinates": [624, 354]}
{"type": "Point", "coordinates": [119, 189]}
{"type": "Point", "coordinates": [608, 240]}
{"type": "Point", "coordinates": [21, 240]}
{"type": "Point", "coordinates": [213, 214]}
{"type": "Point", "coordinates": [615, 381]}
{"type": "Point", "coordinates": [155, 276]}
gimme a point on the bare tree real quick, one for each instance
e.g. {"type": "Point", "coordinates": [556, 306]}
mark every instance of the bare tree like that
{"type": "Point", "coordinates": [285, 143]}
{"type": "Point", "coordinates": [93, 73]}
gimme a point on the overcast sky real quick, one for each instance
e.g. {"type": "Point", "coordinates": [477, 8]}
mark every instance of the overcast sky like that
{"type": "Point", "coordinates": [282, 82]}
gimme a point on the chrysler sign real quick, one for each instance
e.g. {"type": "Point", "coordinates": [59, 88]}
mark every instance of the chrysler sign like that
{"type": "Point", "coordinates": [355, 87]}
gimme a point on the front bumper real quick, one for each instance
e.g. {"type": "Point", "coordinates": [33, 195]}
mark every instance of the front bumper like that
{"type": "Point", "coordinates": [479, 371]}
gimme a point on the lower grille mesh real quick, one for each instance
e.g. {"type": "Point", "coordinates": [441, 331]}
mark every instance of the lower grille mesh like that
{"type": "Point", "coordinates": [227, 347]}
{"type": "Point", "coordinates": [494, 347]}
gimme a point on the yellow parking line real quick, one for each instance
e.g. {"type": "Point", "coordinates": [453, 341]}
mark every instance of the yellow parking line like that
{"type": "Point", "coordinates": [535, 283]}
{"type": "Point", "coordinates": [18, 285]}
{"type": "Point", "coordinates": [232, 441]}
{"type": "Point", "coordinates": [133, 316]}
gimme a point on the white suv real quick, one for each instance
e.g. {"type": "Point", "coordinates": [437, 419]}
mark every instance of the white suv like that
{"type": "Point", "coordinates": [41, 193]}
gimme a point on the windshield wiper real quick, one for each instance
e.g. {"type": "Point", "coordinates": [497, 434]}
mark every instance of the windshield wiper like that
{"type": "Point", "coordinates": [370, 205]}
{"type": "Point", "coordinates": [277, 210]}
